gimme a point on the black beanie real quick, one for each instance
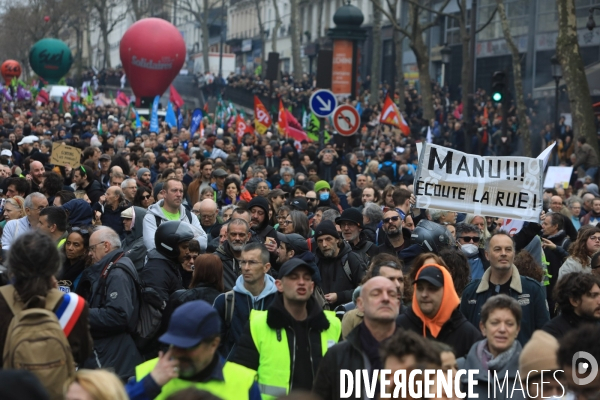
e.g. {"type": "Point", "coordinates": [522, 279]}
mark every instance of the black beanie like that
{"type": "Point", "coordinates": [326, 228]}
{"type": "Point", "coordinates": [261, 202]}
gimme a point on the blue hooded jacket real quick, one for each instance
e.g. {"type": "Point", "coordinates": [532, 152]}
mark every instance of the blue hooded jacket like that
{"type": "Point", "coordinates": [244, 302]}
{"type": "Point", "coordinates": [80, 212]}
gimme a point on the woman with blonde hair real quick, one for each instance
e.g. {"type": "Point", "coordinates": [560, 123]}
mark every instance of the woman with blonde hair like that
{"type": "Point", "coordinates": [95, 385]}
{"type": "Point", "coordinates": [13, 209]}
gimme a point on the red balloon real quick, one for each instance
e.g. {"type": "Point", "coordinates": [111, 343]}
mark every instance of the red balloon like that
{"type": "Point", "coordinates": [152, 53]}
{"type": "Point", "coordinates": [46, 18]}
{"type": "Point", "coordinates": [10, 69]}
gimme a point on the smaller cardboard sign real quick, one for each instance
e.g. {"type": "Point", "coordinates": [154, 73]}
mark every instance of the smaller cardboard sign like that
{"type": "Point", "coordinates": [63, 154]}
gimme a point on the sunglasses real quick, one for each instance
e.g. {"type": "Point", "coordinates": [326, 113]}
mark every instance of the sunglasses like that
{"type": "Point", "coordinates": [387, 220]}
{"type": "Point", "coordinates": [77, 229]}
{"type": "Point", "coordinates": [469, 239]}
{"type": "Point", "coordinates": [146, 197]}
{"type": "Point", "coordinates": [311, 199]}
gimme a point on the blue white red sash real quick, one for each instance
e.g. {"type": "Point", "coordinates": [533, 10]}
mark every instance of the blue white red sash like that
{"type": "Point", "coordinates": [69, 311]}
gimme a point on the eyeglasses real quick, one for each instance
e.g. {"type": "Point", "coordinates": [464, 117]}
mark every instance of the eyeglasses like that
{"type": "Point", "coordinates": [311, 199]}
{"type": "Point", "coordinates": [286, 222]}
{"type": "Point", "coordinates": [93, 246]}
{"type": "Point", "coordinates": [468, 239]}
{"type": "Point", "coordinates": [77, 229]}
{"type": "Point", "coordinates": [280, 217]}
{"type": "Point", "coordinates": [387, 220]}
{"type": "Point", "coordinates": [595, 238]}
{"type": "Point", "coordinates": [40, 208]}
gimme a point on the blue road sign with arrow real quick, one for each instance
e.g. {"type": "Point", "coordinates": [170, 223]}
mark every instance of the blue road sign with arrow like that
{"type": "Point", "coordinates": [323, 103]}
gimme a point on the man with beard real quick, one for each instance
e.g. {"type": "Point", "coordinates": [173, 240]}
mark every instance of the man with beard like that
{"type": "Point", "coordinates": [555, 244]}
{"type": "Point", "coordinates": [36, 175]}
{"type": "Point", "coordinates": [294, 245]}
{"type": "Point", "coordinates": [230, 252]}
{"type": "Point", "coordinates": [311, 201]}
{"type": "Point", "coordinates": [577, 296]}
{"type": "Point", "coordinates": [341, 269]}
{"type": "Point", "coordinates": [398, 238]}
{"type": "Point", "coordinates": [144, 177]}
{"type": "Point", "coordinates": [593, 217]}
{"type": "Point", "coordinates": [264, 233]}
{"type": "Point", "coordinates": [84, 181]}
{"type": "Point", "coordinates": [351, 223]}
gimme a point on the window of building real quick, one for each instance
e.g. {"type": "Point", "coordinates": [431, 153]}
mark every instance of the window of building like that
{"type": "Point", "coordinates": [517, 13]}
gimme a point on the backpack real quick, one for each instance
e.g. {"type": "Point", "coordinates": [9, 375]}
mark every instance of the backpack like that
{"type": "Point", "coordinates": [389, 170]}
{"type": "Point", "coordinates": [36, 342]}
{"type": "Point", "coordinates": [151, 306]}
{"type": "Point", "coordinates": [188, 214]}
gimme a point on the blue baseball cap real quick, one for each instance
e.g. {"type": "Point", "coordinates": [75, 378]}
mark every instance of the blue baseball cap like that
{"type": "Point", "coordinates": [191, 323]}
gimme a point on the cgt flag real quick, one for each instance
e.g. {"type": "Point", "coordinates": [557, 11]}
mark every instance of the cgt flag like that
{"type": "Point", "coordinates": [262, 119]}
{"type": "Point", "coordinates": [241, 128]}
{"type": "Point", "coordinates": [281, 120]}
{"type": "Point", "coordinates": [390, 115]}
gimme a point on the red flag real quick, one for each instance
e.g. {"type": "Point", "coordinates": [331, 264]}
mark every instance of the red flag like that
{"type": "Point", "coordinates": [292, 121]}
{"type": "Point", "coordinates": [241, 128]}
{"type": "Point", "coordinates": [390, 115]}
{"type": "Point", "coordinates": [293, 128]}
{"type": "Point", "coordinates": [122, 99]}
{"type": "Point", "coordinates": [175, 98]}
{"type": "Point", "coordinates": [262, 119]}
{"type": "Point", "coordinates": [43, 97]}
{"type": "Point", "coordinates": [281, 120]}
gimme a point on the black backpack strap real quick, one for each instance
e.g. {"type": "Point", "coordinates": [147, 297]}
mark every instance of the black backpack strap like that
{"type": "Point", "coordinates": [229, 307]}
{"type": "Point", "coordinates": [158, 220]}
{"type": "Point", "coordinates": [188, 213]}
{"type": "Point", "coordinates": [346, 267]}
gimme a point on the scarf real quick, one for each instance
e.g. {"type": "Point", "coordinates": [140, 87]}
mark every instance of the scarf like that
{"type": "Point", "coordinates": [497, 363]}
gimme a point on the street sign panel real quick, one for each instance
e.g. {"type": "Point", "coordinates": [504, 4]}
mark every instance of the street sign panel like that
{"type": "Point", "coordinates": [323, 103]}
{"type": "Point", "coordinates": [346, 120]}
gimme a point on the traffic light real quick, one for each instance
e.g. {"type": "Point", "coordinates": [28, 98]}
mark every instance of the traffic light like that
{"type": "Point", "coordinates": [498, 86]}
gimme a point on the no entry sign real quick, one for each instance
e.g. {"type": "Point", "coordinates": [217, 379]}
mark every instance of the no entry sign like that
{"type": "Point", "coordinates": [346, 120]}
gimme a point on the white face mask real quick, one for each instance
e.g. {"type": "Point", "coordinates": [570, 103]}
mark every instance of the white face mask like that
{"type": "Point", "coordinates": [469, 249]}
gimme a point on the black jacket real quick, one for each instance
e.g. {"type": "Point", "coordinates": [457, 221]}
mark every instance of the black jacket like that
{"type": "Point", "coordinates": [407, 254]}
{"type": "Point", "coordinates": [94, 191]}
{"type": "Point", "coordinates": [261, 233]}
{"type": "Point", "coordinates": [344, 355]}
{"type": "Point", "coordinates": [457, 332]}
{"type": "Point", "coordinates": [231, 266]}
{"type": "Point", "coordinates": [565, 322]}
{"type": "Point", "coordinates": [161, 274]}
{"type": "Point", "coordinates": [365, 249]}
{"type": "Point", "coordinates": [113, 315]}
{"type": "Point", "coordinates": [333, 277]}
{"type": "Point", "coordinates": [279, 318]}
{"type": "Point", "coordinates": [555, 258]}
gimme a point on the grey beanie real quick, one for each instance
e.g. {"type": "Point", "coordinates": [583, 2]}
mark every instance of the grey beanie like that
{"type": "Point", "coordinates": [141, 172]}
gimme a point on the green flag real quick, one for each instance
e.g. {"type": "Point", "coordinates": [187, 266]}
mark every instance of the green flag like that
{"type": "Point", "coordinates": [61, 106]}
{"type": "Point", "coordinates": [314, 127]}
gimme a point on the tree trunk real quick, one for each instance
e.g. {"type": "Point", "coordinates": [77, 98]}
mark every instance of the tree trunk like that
{"type": "Point", "coordinates": [320, 11]}
{"type": "Point", "coordinates": [277, 26]}
{"type": "Point", "coordinates": [398, 39]}
{"type": "Point", "coordinates": [263, 38]}
{"type": "Point", "coordinates": [205, 46]}
{"type": "Point", "coordinates": [106, 62]}
{"type": "Point", "coordinates": [295, 30]}
{"type": "Point", "coordinates": [376, 55]}
{"type": "Point", "coordinates": [516, 64]}
{"type": "Point", "coordinates": [576, 82]}
{"type": "Point", "coordinates": [467, 66]}
{"type": "Point", "coordinates": [422, 55]}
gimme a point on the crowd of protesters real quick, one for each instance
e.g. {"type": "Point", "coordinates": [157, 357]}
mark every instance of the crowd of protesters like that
{"type": "Point", "coordinates": [185, 265]}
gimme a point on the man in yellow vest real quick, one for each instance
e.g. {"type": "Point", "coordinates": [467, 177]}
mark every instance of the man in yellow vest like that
{"type": "Point", "coordinates": [193, 336]}
{"type": "Point", "coordinates": [286, 343]}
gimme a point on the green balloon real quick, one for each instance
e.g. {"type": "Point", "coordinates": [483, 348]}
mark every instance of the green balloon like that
{"type": "Point", "coordinates": [51, 59]}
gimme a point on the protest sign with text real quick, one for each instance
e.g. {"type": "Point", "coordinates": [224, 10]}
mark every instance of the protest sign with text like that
{"type": "Point", "coordinates": [508, 187]}
{"type": "Point", "coordinates": [63, 154]}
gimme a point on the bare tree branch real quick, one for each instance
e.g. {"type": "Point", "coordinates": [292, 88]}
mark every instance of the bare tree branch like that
{"type": "Point", "coordinates": [438, 12]}
{"type": "Point", "coordinates": [391, 19]}
{"type": "Point", "coordinates": [489, 21]}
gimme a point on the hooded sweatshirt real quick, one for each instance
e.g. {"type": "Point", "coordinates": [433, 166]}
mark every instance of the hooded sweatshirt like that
{"type": "Point", "coordinates": [243, 303]}
{"type": "Point", "coordinates": [80, 212]}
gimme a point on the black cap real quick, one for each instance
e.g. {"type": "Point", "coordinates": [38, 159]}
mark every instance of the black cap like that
{"type": "Point", "coordinates": [290, 265]}
{"type": "Point", "coordinates": [351, 215]}
{"type": "Point", "coordinates": [294, 241]}
{"type": "Point", "coordinates": [326, 228]}
{"type": "Point", "coordinates": [299, 203]}
{"type": "Point", "coordinates": [105, 157]}
{"type": "Point", "coordinates": [431, 274]}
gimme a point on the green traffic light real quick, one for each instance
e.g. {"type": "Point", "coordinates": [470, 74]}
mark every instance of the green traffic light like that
{"type": "Point", "coordinates": [497, 96]}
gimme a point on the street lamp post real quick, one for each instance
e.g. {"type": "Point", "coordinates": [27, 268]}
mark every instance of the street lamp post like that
{"type": "Point", "coordinates": [591, 24]}
{"type": "Point", "coordinates": [446, 52]}
{"type": "Point", "coordinates": [557, 75]}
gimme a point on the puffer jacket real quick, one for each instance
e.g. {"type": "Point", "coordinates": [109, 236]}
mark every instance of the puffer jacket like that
{"type": "Point", "coordinates": [333, 277]}
{"type": "Point", "coordinates": [243, 303]}
{"type": "Point", "coordinates": [113, 315]}
{"type": "Point", "coordinates": [231, 266]}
